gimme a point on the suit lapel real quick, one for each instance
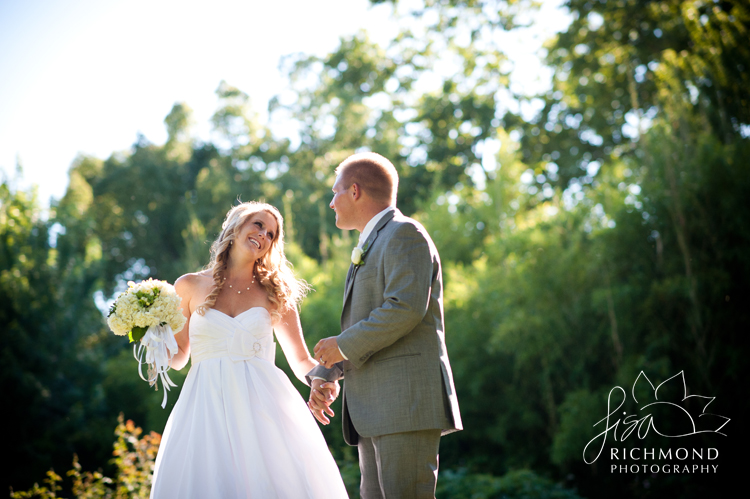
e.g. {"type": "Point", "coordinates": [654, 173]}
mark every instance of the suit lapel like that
{"type": "Point", "coordinates": [348, 280]}
{"type": "Point", "coordinates": [368, 244]}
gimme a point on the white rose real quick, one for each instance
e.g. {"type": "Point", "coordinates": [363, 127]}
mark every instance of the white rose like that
{"type": "Point", "coordinates": [357, 256]}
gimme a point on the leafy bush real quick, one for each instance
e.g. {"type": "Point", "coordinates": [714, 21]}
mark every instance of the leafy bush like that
{"type": "Point", "coordinates": [518, 484]}
{"type": "Point", "coordinates": [134, 457]}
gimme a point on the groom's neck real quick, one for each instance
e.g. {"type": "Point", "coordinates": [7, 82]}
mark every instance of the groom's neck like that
{"type": "Point", "coordinates": [368, 212]}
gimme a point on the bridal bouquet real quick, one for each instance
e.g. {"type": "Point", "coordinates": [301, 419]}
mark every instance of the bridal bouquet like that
{"type": "Point", "coordinates": [149, 314]}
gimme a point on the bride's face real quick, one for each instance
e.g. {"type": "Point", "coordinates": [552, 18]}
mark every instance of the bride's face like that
{"type": "Point", "coordinates": [256, 235]}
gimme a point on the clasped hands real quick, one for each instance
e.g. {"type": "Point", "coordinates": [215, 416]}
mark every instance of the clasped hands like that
{"type": "Point", "coordinates": [323, 393]}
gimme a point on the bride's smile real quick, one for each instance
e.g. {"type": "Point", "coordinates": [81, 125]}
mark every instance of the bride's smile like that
{"type": "Point", "coordinates": [257, 234]}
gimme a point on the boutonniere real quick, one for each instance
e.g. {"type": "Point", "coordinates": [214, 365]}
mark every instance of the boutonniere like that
{"type": "Point", "coordinates": [358, 254]}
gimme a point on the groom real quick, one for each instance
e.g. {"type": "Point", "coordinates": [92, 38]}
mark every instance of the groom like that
{"type": "Point", "coordinates": [398, 395]}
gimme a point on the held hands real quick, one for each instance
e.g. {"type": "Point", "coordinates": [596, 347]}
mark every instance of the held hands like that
{"type": "Point", "coordinates": [322, 394]}
{"type": "Point", "coordinates": [327, 352]}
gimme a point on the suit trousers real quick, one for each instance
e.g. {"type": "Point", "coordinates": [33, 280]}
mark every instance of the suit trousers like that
{"type": "Point", "coordinates": [399, 465]}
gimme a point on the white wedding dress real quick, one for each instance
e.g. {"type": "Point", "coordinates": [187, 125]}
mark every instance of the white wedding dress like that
{"type": "Point", "coordinates": [239, 428]}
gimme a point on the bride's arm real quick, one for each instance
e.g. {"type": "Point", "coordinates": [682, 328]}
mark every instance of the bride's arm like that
{"type": "Point", "coordinates": [289, 333]}
{"type": "Point", "coordinates": [185, 287]}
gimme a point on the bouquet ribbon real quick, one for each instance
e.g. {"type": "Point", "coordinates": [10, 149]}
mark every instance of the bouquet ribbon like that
{"type": "Point", "coordinates": [159, 347]}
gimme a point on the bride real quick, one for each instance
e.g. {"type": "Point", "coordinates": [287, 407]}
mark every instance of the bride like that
{"type": "Point", "coordinates": [239, 428]}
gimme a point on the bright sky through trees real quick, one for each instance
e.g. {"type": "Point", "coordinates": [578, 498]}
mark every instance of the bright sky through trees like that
{"type": "Point", "coordinates": [88, 76]}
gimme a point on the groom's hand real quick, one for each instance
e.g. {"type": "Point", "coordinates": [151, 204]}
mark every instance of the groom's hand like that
{"type": "Point", "coordinates": [327, 352]}
{"type": "Point", "coordinates": [322, 394]}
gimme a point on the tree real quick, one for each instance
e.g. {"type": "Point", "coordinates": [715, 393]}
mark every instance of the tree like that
{"type": "Point", "coordinates": [52, 348]}
{"type": "Point", "coordinates": [615, 65]}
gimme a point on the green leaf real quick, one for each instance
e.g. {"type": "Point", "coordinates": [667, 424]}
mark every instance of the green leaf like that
{"type": "Point", "coordinates": [137, 333]}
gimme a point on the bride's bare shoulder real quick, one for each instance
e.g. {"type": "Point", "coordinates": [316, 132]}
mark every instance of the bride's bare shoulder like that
{"type": "Point", "coordinates": [190, 283]}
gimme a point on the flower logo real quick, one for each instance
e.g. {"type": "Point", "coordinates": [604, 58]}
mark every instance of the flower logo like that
{"type": "Point", "coordinates": [675, 388]}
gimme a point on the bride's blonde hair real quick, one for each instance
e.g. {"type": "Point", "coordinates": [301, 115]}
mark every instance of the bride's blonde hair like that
{"type": "Point", "coordinates": [273, 270]}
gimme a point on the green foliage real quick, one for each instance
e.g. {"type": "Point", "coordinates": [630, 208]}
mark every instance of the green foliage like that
{"type": "Point", "coordinates": [51, 347]}
{"type": "Point", "coordinates": [617, 64]}
{"type": "Point", "coordinates": [137, 333]}
{"type": "Point", "coordinates": [576, 425]}
{"type": "Point", "coordinates": [520, 484]}
{"type": "Point", "coordinates": [45, 492]}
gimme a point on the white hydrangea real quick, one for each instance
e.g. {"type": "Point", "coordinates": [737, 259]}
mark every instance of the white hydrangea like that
{"type": "Point", "coordinates": [129, 311]}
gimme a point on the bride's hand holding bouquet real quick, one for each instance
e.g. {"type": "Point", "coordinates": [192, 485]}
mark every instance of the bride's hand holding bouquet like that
{"type": "Point", "coordinates": [149, 313]}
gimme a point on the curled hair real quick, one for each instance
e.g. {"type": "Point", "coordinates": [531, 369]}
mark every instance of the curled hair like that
{"type": "Point", "coordinates": [273, 270]}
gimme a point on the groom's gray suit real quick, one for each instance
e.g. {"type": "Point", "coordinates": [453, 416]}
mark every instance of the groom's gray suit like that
{"type": "Point", "coordinates": [398, 378]}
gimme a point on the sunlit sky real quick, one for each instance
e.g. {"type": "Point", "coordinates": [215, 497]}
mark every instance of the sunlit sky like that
{"type": "Point", "coordinates": [86, 76]}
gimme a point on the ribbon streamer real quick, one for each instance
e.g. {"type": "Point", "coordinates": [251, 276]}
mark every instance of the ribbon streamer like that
{"type": "Point", "coordinates": [160, 347]}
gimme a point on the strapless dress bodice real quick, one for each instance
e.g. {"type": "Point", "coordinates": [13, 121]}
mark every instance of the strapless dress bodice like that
{"type": "Point", "coordinates": [247, 336]}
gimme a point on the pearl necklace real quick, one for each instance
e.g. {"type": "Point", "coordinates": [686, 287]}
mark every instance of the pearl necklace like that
{"type": "Point", "coordinates": [239, 292]}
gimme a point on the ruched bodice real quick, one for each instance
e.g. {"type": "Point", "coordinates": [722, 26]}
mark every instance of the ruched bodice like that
{"type": "Point", "coordinates": [247, 336]}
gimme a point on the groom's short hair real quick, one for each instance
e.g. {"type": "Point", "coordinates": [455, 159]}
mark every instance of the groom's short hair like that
{"type": "Point", "coordinates": [373, 173]}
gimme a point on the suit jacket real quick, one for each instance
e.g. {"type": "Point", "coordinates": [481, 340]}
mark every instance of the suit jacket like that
{"type": "Point", "coordinates": [398, 377]}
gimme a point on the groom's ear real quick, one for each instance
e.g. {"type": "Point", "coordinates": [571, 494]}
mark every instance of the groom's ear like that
{"type": "Point", "coordinates": [356, 191]}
